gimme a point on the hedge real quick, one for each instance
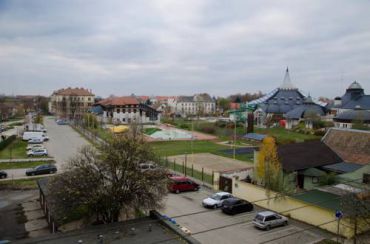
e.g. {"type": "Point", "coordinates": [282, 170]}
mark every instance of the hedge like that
{"type": "Point", "coordinates": [7, 141]}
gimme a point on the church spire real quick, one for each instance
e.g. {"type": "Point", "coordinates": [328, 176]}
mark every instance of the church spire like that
{"type": "Point", "coordinates": [287, 83]}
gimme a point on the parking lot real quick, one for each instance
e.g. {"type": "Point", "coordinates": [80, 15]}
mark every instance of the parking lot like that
{"type": "Point", "coordinates": [212, 226]}
{"type": "Point", "coordinates": [64, 143]}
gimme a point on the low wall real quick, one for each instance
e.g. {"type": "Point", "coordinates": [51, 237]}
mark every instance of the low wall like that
{"type": "Point", "coordinates": [293, 208]}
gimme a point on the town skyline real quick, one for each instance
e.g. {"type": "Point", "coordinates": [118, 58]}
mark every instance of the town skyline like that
{"type": "Point", "coordinates": [183, 48]}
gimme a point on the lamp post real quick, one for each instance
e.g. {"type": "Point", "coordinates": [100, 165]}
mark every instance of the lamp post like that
{"type": "Point", "coordinates": [234, 138]}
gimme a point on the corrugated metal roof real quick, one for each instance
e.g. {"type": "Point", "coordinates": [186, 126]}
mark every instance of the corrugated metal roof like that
{"type": "Point", "coordinates": [343, 167]}
{"type": "Point", "coordinates": [254, 136]}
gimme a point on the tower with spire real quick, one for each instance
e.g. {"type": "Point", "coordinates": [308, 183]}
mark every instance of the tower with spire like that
{"type": "Point", "coordinates": [283, 99]}
{"type": "Point", "coordinates": [287, 83]}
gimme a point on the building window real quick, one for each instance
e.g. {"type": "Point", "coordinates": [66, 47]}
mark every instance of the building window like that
{"type": "Point", "coordinates": [118, 110]}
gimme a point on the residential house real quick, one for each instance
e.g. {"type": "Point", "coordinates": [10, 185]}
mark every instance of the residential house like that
{"type": "Point", "coordinates": [125, 110]}
{"type": "Point", "coordinates": [71, 103]}
{"type": "Point", "coordinates": [7, 110]}
{"type": "Point", "coordinates": [301, 162]}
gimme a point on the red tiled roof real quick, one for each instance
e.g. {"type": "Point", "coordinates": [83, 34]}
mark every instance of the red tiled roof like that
{"type": "Point", "coordinates": [353, 146]}
{"type": "Point", "coordinates": [73, 92]}
{"type": "Point", "coordinates": [119, 101]}
{"type": "Point", "coordinates": [234, 105]}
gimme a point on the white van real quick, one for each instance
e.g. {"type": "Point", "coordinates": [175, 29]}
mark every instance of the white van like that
{"type": "Point", "coordinates": [34, 134]}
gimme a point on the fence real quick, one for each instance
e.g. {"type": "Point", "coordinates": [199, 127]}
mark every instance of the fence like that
{"type": "Point", "coordinates": [188, 170]}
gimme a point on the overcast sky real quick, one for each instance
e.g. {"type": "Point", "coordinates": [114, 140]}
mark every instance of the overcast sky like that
{"type": "Point", "coordinates": [173, 47]}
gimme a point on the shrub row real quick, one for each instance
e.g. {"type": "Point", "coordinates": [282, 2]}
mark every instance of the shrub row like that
{"type": "Point", "coordinates": [7, 141]}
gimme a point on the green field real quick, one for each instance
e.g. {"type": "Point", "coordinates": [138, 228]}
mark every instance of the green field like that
{"type": "Point", "coordinates": [149, 131]}
{"type": "Point", "coordinates": [22, 165]}
{"type": "Point", "coordinates": [171, 148]}
{"type": "Point", "coordinates": [284, 136]}
{"type": "Point", "coordinates": [16, 150]}
{"type": "Point", "coordinates": [20, 184]}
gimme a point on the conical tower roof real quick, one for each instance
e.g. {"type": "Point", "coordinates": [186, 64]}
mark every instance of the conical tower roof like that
{"type": "Point", "coordinates": [287, 83]}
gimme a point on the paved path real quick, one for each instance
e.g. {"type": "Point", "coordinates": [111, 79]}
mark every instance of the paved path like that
{"type": "Point", "coordinates": [64, 143]}
{"type": "Point", "coordinates": [24, 160]}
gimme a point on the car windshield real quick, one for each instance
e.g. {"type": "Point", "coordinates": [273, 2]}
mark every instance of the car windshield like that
{"type": "Point", "coordinates": [216, 197]}
{"type": "Point", "coordinates": [259, 217]}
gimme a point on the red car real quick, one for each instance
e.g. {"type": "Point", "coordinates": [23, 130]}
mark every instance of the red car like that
{"type": "Point", "coordinates": [179, 183]}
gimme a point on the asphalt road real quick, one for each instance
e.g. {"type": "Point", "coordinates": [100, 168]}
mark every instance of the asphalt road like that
{"type": "Point", "coordinates": [63, 144]}
{"type": "Point", "coordinates": [214, 227]}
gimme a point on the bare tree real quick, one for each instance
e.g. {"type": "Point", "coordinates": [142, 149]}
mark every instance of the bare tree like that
{"type": "Point", "coordinates": [356, 207]}
{"type": "Point", "coordinates": [109, 182]}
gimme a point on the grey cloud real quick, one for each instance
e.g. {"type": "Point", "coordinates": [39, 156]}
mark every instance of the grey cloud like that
{"type": "Point", "coordinates": [182, 47]}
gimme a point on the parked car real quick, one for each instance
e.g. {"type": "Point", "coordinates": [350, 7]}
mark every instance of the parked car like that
{"type": "Point", "coordinates": [179, 183]}
{"type": "Point", "coordinates": [42, 169]}
{"type": "Point", "coordinates": [267, 219]}
{"type": "Point", "coordinates": [147, 166]}
{"type": "Point", "coordinates": [35, 141]}
{"type": "Point", "coordinates": [34, 146]}
{"type": "Point", "coordinates": [62, 122]}
{"type": "Point", "coordinates": [235, 205]}
{"type": "Point", "coordinates": [34, 134]}
{"type": "Point", "coordinates": [216, 200]}
{"type": "Point", "coordinates": [37, 152]}
{"type": "Point", "coordinates": [3, 174]}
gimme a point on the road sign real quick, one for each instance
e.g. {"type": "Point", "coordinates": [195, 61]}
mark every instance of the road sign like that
{"type": "Point", "coordinates": [338, 214]}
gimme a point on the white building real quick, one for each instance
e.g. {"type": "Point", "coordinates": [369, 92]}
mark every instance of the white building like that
{"type": "Point", "coordinates": [125, 110]}
{"type": "Point", "coordinates": [199, 104]}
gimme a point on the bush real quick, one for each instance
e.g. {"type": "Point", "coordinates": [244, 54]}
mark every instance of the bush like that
{"type": "Point", "coordinates": [221, 124]}
{"type": "Point", "coordinates": [7, 141]}
{"type": "Point", "coordinates": [208, 130]}
{"type": "Point", "coordinates": [184, 126]}
{"type": "Point", "coordinates": [319, 133]}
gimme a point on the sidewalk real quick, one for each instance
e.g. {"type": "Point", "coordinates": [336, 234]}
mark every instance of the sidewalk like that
{"type": "Point", "coordinates": [15, 160]}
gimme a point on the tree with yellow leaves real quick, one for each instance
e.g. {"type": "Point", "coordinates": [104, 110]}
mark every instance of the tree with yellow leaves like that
{"type": "Point", "coordinates": [268, 168]}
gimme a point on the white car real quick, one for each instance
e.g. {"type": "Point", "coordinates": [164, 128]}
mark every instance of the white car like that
{"type": "Point", "coordinates": [35, 141]}
{"type": "Point", "coordinates": [216, 200]}
{"type": "Point", "coordinates": [34, 146]}
{"type": "Point", "coordinates": [267, 219]}
{"type": "Point", "coordinates": [37, 152]}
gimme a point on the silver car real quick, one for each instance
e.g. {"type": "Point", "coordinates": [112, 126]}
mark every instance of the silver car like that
{"type": "Point", "coordinates": [267, 219]}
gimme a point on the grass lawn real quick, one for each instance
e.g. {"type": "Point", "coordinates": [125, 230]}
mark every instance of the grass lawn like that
{"type": "Point", "coordinates": [22, 165]}
{"type": "Point", "coordinates": [20, 184]}
{"type": "Point", "coordinates": [149, 131]}
{"type": "Point", "coordinates": [171, 148]}
{"type": "Point", "coordinates": [285, 136]}
{"type": "Point", "coordinates": [17, 149]}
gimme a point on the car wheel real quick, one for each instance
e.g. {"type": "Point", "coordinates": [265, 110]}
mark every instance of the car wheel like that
{"type": "Point", "coordinates": [285, 222]}
{"type": "Point", "coordinates": [177, 191]}
{"type": "Point", "coordinates": [268, 227]}
{"type": "Point", "coordinates": [196, 189]}
{"type": "Point", "coordinates": [32, 174]}
{"type": "Point", "coordinates": [215, 206]}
